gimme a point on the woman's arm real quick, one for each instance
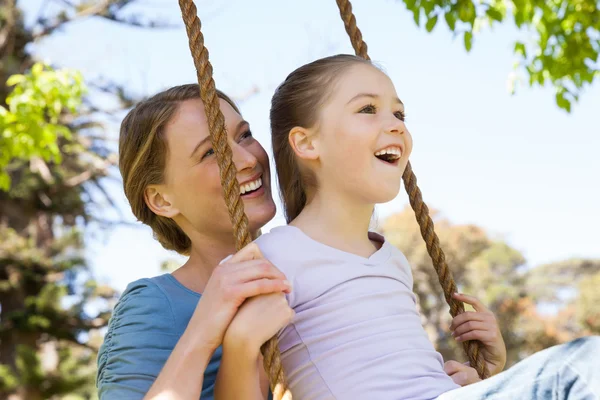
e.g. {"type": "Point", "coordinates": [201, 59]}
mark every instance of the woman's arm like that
{"type": "Point", "coordinates": [183, 373]}
{"type": "Point", "coordinates": [143, 358]}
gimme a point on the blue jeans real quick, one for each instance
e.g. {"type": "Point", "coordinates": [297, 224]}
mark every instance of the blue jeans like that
{"type": "Point", "coordinates": [568, 371]}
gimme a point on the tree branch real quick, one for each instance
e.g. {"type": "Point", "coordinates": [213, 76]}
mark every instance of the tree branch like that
{"type": "Point", "coordinates": [89, 174]}
{"type": "Point", "coordinates": [62, 18]}
{"type": "Point", "coordinates": [7, 33]}
{"type": "Point", "coordinates": [107, 9]}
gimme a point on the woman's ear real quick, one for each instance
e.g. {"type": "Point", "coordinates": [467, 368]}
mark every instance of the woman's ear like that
{"type": "Point", "coordinates": [157, 200]}
{"type": "Point", "coordinates": [304, 143]}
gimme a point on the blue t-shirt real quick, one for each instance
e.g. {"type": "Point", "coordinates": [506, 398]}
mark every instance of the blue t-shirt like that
{"type": "Point", "coordinates": [146, 324]}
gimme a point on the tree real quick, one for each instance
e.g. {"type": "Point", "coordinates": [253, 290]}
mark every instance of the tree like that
{"type": "Point", "coordinates": [43, 344]}
{"type": "Point", "coordinates": [497, 274]}
{"type": "Point", "coordinates": [563, 36]}
{"type": "Point", "coordinates": [54, 157]}
{"type": "Point", "coordinates": [30, 126]}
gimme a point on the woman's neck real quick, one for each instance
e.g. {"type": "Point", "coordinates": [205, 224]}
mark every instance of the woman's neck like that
{"type": "Point", "coordinates": [206, 254]}
{"type": "Point", "coordinates": [336, 221]}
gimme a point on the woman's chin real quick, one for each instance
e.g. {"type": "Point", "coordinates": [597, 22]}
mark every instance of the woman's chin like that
{"type": "Point", "coordinates": [260, 215]}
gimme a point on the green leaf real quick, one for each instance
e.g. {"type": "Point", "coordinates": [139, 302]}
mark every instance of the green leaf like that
{"type": "Point", "coordinates": [519, 18]}
{"type": "Point", "coordinates": [562, 101]}
{"type": "Point", "coordinates": [520, 49]}
{"type": "Point", "coordinates": [37, 69]}
{"type": "Point", "coordinates": [431, 23]}
{"type": "Point", "coordinates": [494, 14]}
{"type": "Point", "coordinates": [410, 4]}
{"type": "Point", "coordinates": [4, 181]}
{"type": "Point", "coordinates": [468, 39]}
{"type": "Point", "coordinates": [417, 15]}
{"type": "Point", "coordinates": [31, 126]}
{"type": "Point", "coordinates": [15, 80]}
{"type": "Point", "coordinates": [450, 20]}
{"type": "Point", "coordinates": [466, 12]}
{"type": "Point", "coordinates": [428, 7]}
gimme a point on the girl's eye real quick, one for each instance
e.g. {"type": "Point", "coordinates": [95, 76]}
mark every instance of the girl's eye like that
{"type": "Point", "coordinates": [401, 115]}
{"type": "Point", "coordinates": [368, 109]}
{"type": "Point", "coordinates": [246, 135]}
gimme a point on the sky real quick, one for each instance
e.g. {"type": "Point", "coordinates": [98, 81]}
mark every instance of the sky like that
{"type": "Point", "coordinates": [516, 165]}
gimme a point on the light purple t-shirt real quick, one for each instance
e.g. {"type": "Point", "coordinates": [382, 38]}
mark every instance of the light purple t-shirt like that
{"type": "Point", "coordinates": [356, 333]}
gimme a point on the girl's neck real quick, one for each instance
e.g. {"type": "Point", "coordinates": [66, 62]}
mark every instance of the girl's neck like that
{"type": "Point", "coordinates": [338, 222]}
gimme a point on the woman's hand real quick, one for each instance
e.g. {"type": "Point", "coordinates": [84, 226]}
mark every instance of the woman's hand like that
{"type": "Point", "coordinates": [461, 374]}
{"type": "Point", "coordinates": [480, 325]}
{"type": "Point", "coordinates": [246, 274]}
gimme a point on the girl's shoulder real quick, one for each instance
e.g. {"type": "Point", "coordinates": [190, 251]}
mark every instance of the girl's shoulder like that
{"type": "Point", "coordinates": [282, 243]}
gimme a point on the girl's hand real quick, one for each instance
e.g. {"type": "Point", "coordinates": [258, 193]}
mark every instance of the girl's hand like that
{"type": "Point", "coordinates": [461, 374]}
{"type": "Point", "coordinates": [480, 325]}
{"type": "Point", "coordinates": [246, 274]}
{"type": "Point", "coordinates": [257, 320]}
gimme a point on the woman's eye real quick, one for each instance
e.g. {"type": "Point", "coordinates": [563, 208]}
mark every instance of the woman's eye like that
{"type": "Point", "coordinates": [369, 109]}
{"type": "Point", "coordinates": [401, 115]}
{"type": "Point", "coordinates": [208, 153]}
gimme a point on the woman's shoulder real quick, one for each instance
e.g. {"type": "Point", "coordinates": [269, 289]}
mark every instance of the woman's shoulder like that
{"type": "Point", "coordinates": [142, 332]}
{"type": "Point", "coordinates": [142, 305]}
{"type": "Point", "coordinates": [160, 300]}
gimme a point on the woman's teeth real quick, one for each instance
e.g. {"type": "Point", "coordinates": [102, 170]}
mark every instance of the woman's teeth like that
{"type": "Point", "coordinates": [251, 186]}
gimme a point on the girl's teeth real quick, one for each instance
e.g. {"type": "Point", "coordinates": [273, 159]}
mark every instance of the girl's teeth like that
{"type": "Point", "coordinates": [392, 150]}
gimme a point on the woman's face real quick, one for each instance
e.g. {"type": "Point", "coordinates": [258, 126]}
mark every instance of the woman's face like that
{"type": "Point", "coordinates": [192, 188]}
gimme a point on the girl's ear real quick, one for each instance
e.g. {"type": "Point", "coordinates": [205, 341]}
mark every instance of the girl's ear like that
{"type": "Point", "coordinates": [304, 143]}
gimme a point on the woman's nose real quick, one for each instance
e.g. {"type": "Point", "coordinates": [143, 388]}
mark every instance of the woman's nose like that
{"type": "Point", "coordinates": [242, 158]}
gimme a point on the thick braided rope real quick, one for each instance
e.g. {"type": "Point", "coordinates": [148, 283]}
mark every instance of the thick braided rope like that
{"type": "Point", "coordinates": [471, 348]}
{"type": "Point", "coordinates": [231, 189]}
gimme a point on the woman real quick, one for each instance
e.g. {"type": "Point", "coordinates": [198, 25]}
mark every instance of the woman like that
{"type": "Point", "coordinates": [164, 338]}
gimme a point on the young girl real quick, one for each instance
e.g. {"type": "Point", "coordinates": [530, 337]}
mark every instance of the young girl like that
{"type": "Point", "coordinates": [340, 147]}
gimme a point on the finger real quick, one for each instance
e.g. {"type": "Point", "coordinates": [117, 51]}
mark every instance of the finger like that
{"type": "Point", "coordinates": [286, 314]}
{"type": "Point", "coordinates": [249, 252]}
{"type": "Point", "coordinates": [464, 317]}
{"type": "Point", "coordinates": [484, 336]}
{"type": "Point", "coordinates": [471, 326]}
{"type": "Point", "coordinates": [472, 376]}
{"type": "Point", "coordinates": [451, 367]}
{"type": "Point", "coordinates": [247, 271]}
{"type": "Point", "coordinates": [460, 378]}
{"type": "Point", "coordinates": [478, 305]}
{"type": "Point", "coordinates": [260, 286]}
{"type": "Point", "coordinates": [465, 377]}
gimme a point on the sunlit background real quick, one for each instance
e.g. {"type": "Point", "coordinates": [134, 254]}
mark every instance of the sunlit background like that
{"type": "Point", "coordinates": [513, 178]}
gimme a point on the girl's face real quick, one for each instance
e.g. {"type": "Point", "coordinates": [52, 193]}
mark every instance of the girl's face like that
{"type": "Point", "coordinates": [360, 144]}
{"type": "Point", "coordinates": [192, 191]}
